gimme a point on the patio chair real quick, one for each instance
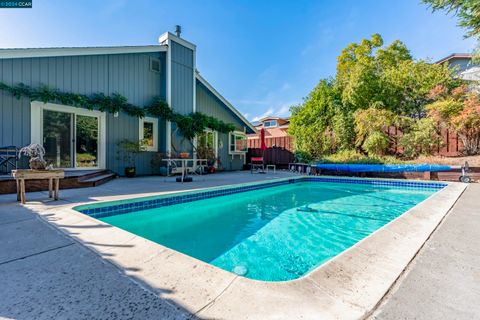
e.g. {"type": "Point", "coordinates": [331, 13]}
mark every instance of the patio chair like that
{"type": "Point", "coordinates": [257, 163]}
{"type": "Point", "coordinates": [8, 158]}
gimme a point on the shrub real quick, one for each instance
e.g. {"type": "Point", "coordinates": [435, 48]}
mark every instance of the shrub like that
{"type": "Point", "coordinates": [462, 116]}
{"type": "Point", "coordinates": [376, 143]}
{"type": "Point", "coordinates": [302, 157]}
{"type": "Point", "coordinates": [422, 138]}
{"type": "Point", "coordinates": [369, 126]}
{"type": "Point", "coordinates": [355, 157]}
{"type": "Point", "coordinates": [343, 130]}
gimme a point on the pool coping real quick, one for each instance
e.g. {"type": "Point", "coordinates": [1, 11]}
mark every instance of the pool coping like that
{"type": "Point", "coordinates": [347, 286]}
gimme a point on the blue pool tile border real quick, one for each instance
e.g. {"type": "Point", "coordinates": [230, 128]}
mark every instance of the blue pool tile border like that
{"type": "Point", "coordinates": [139, 205]}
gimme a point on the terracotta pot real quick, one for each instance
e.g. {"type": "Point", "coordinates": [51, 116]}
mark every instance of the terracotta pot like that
{"type": "Point", "coordinates": [184, 155]}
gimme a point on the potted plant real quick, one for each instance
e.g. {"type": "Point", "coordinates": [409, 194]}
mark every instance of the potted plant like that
{"type": "Point", "coordinates": [206, 152]}
{"type": "Point", "coordinates": [127, 151]}
{"type": "Point", "coordinates": [36, 152]}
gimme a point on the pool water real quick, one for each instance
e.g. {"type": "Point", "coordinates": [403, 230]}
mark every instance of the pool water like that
{"type": "Point", "coordinates": [261, 235]}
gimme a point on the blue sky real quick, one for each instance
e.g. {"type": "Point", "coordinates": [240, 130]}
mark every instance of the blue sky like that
{"type": "Point", "coordinates": [263, 56]}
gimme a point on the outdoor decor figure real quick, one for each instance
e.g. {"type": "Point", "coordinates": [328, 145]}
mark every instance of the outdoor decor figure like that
{"type": "Point", "coordinates": [36, 152]}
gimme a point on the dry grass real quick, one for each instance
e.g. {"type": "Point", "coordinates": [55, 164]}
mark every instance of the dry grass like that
{"type": "Point", "coordinates": [352, 156]}
{"type": "Point", "coordinates": [473, 161]}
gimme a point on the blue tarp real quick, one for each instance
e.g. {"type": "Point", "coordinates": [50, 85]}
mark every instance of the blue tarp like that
{"type": "Point", "coordinates": [382, 167]}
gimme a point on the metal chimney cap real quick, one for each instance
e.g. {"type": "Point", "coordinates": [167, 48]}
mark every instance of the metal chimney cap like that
{"type": "Point", "coordinates": [178, 30]}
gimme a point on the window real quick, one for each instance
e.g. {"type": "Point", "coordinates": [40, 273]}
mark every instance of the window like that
{"type": "Point", "coordinates": [148, 133]}
{"type": "Point", "coordinates": [207, 145]}
{"type": "Point", "coordinates": [207, 139]}
{"type": "Point", "coordinates": [154, 65]}
{"type": "Point", "coordinates": [269, 124]}
{"type": "Point", "coordinates": [238, 142]}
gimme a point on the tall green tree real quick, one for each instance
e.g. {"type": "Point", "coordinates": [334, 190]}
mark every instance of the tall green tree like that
{"type": "Point", "coordinates": [369, 75]}
{"type": "Point", "coordinates": [311, 121]}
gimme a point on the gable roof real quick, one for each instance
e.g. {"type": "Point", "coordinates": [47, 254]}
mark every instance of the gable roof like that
{"type": "Point", "coordinates": [455, 56]}
{"type": "Point", "coordinates": [75, 51]}
{"type": "Point", "coordinates": [225, 101]}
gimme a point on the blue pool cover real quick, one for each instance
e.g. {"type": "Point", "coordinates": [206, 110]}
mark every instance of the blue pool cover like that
{"type": "Point", "coordinates": [382, 167]}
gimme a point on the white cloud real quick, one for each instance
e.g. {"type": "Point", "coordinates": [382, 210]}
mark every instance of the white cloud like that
{"type": "Point", "coordinates": [284, 110]}
{"type": "Point", "coordinates": [267, 113]}
{"type": "Point", "coordinates": [271, 95]}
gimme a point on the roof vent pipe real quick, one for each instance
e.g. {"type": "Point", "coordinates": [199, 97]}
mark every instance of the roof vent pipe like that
{"type": "Point", "coordinates": [178, 30]}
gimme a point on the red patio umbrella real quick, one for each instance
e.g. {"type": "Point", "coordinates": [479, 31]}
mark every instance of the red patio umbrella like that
{"type": "Point", "coordinates": [263, 145]}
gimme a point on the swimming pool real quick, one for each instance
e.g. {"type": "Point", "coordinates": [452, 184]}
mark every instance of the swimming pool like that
{"type": "Point", "coordinates": [257, 230]}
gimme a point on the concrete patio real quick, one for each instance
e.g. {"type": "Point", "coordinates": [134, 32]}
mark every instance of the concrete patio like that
{"type": "Point", "coordinates": [46, 274]}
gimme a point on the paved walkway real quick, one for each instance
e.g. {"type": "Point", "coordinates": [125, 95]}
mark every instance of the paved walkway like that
{"type": "Point", "coordinates": [443, 281]}
{"type": "Point", "coordinates": [44, 274]}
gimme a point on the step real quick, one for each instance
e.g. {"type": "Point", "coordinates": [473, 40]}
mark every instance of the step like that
{"type": "Point", "coordinates": [97, 180]}
{"type": "Point", "coordinates": [93, 174]}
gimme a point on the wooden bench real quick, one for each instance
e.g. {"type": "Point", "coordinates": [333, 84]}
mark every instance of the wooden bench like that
{"type": "Point", "coordinates": [28, 174]}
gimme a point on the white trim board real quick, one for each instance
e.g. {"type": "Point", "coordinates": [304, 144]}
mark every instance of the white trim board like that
{"type": "Point", "coordinates": [85, 51]}
{"type": "Point", "coordinates": [168, 36]}
{"type": "Point", "coordinates": [168, 137]}
{"type": "Point", "coordinates": [221, 98]}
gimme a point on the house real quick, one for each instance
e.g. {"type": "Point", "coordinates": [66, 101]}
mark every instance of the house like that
{"type": "Point", "coordinates": [464, 66]}
{"type": "Point", "coordinates": [276, 133]}
{"type": "Point", "coordinates": [79, 138]}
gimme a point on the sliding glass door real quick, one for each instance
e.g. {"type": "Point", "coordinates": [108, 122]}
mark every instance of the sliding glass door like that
{"type": "Point", "coordinates": [70, 140]}
{"type": "Point", "coordinates": [57, 138]}
{"type": "Point", "coordinates": [86, 141]}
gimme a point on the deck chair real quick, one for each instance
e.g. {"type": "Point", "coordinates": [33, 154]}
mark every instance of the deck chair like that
{"type": "Point", "coordinates": [8, 158]}
{"type": "Point", "coordinates": [257, 163]}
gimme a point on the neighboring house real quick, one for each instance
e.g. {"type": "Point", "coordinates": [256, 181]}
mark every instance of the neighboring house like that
{"type": "Point", "coordinates": [466, 69]}
{"type": "Point", "coordinates": [276, 133]}
{"type": "Point", "coordinates": [78, 138]}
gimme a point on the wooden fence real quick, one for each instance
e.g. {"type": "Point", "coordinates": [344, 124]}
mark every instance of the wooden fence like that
{"type": "Point", "coordinates": [280, 157]}
{"type": "Point", "coordinates": [280, 142]}
{"type": "Point", "coordinates": [450, 144]}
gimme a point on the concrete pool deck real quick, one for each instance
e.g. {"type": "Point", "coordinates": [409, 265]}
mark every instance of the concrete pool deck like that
{"type": "Point", "coordinates": [47, 274]}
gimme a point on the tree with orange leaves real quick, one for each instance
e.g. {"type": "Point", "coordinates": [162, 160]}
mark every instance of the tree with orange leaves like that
{"type": "Point", "coordinates": [458, 110]}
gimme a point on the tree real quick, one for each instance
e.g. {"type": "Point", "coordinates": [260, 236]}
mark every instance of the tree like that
{"type": "Point", "coordinates": [369, 74]}
{"type": "Point", "coordinates": [310, 121]}
{"type": "Point", "coordinates": [467, 11]}
{"type": "Point", "coordinates": [460, 111]}
{"type": "Point", "coordinates": [369, 125]}
{"type": "Point", "coordinates": [383, 79]}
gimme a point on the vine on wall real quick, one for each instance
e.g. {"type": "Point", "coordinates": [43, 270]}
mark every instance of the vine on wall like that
{"type": "Point", "coordinates": [189, 125]}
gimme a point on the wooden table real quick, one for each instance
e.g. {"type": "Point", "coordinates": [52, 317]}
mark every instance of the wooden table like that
{"type": "Point", "coordinates": [28, 174]}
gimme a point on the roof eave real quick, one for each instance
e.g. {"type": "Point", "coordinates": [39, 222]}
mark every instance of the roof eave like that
{"type": "Point", "coordinates": [63, 52]}
{"type": "Point", "coordinates": [225, 101]}
{"type": "Point", "coordinates": [454, 56]}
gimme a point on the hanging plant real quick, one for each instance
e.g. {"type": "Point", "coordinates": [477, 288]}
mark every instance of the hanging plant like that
{"type": "Point", "coordinates": [189, 125]}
